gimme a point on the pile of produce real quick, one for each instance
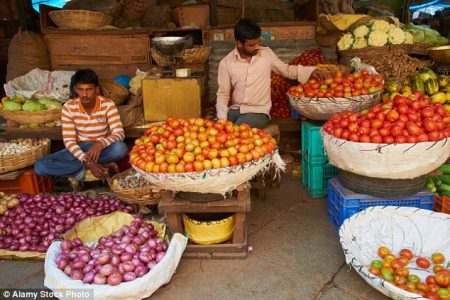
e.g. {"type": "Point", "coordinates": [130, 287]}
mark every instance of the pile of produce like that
{"type": "Point", "coordinates": [7, 202]}
{"type": "Point", "coordinates": [401, 120]}
{"type": "Point", "coordinates": [426, 35]}
{"type": "Point", "coordinates": [440, 184]}
{"type": "Point", "coordinates": [395, 64]}
{"type": "Point", "coordinates": [123, 256]}
{"type": "Point", "coordinates": [374, 34]}
{"type": "Point", "coordinates": [131, 181]}
{"type": "Point", "coordinates": [424, 81]}
{"type": "Point", "coordinates": [33, 222]}
{"type": "Point", "coordinates": [279, 85]}
{"type": "Point", "coordinates": [340, 85]}
{"type": "Point", "coordinates": [397, 270]}
{"type": "Point", "coordinates": [20, 146]}
{"type": "Point", "coordinates": [196, 144]}
{"type": "Point", "coordinates": [17, 103]}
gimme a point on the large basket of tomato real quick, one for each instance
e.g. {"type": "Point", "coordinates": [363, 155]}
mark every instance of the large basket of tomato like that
{"type": "Point", "coordinates": [340, 92]}
{"type": "Point", "coordinates": [385, 142]}
{"type": "Point", "coordinates": [400, 251]}
{"type": "Point", "coordinates": [202, 156]}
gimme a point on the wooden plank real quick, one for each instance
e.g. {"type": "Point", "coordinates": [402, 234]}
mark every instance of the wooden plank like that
{"type": "Point", "coordinates": [240, 226]}
{"type": "Point", "coordinates": [174, 223]}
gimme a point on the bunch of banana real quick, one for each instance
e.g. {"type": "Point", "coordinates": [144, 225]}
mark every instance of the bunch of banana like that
{"type": "Point", "coordinates": [425, 81]}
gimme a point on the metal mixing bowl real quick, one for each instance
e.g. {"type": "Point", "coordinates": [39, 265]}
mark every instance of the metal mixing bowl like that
{"type": "Point", "coordinates": [440, 55]}
{"type": "Point", "coordinates": [170, 45]}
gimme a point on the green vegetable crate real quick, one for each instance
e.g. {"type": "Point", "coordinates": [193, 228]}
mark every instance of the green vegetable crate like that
{"type": "Point", "coordinates": [316, 170]}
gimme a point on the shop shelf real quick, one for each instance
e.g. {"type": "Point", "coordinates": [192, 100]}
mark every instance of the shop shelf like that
{"type": "Point", "coordinates": [27, 183]}
{"type": "Point", "coordinates": [315, 176]}
{"type": "Point", "coordinates": [343, 203]}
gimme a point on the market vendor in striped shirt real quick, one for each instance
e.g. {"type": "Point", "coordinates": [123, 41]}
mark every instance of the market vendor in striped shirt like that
{"type": "Point", "coordinates": [92, 133]}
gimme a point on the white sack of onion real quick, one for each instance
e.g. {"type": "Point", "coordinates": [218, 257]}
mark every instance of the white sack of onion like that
{"type": "Point", "coordinates": [115, 267]}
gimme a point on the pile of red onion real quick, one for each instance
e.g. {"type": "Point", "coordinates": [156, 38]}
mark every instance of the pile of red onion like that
{"type": "Point", "coordinates": [38, 220]}
{"type": "Point", "coordinates": [125, 255]}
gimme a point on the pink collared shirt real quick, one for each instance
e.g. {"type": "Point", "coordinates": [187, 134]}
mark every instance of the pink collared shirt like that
{"type": "Point", "coordinates": [248, 84]}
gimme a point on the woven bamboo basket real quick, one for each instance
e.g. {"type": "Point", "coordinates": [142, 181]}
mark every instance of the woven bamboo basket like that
{"type": "Point", "coordinates": [323, 108]}
{"type": "Point", "coordinates": [142, 196]}
{"type": "Point", "coordinates": [364, 52]}
{"type": "Point", "coordinates": [114, 91]}
{"type": "Point", "coordinates": [195, 55]}
{"type": "Point", "coordinates": [79, 19]}
{"type": "Point", "coordinates": [14, 162]}
{"type": "Point", "coordinates": [31, 117]}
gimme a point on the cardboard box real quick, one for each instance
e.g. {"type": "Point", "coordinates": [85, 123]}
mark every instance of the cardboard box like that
{"type": "Point", "coordinates": [191, 16]}
{"type": "Point", "coordinates": [176, 97]}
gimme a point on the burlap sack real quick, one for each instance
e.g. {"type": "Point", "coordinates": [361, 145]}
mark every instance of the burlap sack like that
{"type": "Point", "coordinates": [27, 51]}
{"type": "Point", "coordinates": [132, 114]}
{"type": "Point", "coordinates": [158, 16]}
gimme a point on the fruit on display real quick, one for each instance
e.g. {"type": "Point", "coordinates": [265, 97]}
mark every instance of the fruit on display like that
{"type": "Point", "coordinates": [131, 181]}
{"type": "Point", "coordinates": [440, 184]}
{"type": "Point", "coordinates": [424, 34]}
{"type": "Point", "coordinates": [432, 280]}
{"type": "Point", "coordinates": [196, 144]}
{"type": "Point", "coordinates": [340, 85]}
{"type": "Point", "coordinates": [17, 103]}
{"type": "Point", "coordinates": [7, 202]}
{"type": "Point", "coordinates": [32, 223]}
{"type": "Point", "coordinates": [122, 256]}
{"type": "Point", "coordinates": [401, 120]}
{"type": "Point", "coordinates": [279, 85]}
{"type": "Point", "coordinates": [426, 81]}
{"type": "Point", "coordinates": [374, 33]}
{"type": "Point", "coordinates": [18, 146]}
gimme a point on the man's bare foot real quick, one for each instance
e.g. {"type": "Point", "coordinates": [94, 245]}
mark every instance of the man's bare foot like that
{"type": "Point", "coordinates": [111, 167]}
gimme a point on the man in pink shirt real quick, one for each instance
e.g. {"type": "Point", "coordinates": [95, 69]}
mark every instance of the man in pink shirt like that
{"type": "Point", "coordinates": [244, 77]}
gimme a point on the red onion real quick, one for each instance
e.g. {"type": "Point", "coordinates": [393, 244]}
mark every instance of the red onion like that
{"type": "Point", "coordinates": [88, 268]}
{"type": "Point", "coordinates": [115, 278]}
{"type": "Point", "coordinates": [138, 240]}
{"type": "Point", "coordinates": [103, 259]}
{"type": "Point", "coordinates": [77, 264]}
{"type": "Point", "coordinates": [129, 276]}
{"type": "Point", "coordinates": [127, 266]}
{"type": "Point", "coordinates": [107, 270]}
{"type": "Point", "coordinates": [99, 279]}
{"type": "Point", "coordinates": [88, 277]}
{"type": "Point", "coordinates": [125, 257]}
{"type": "Point", "coordinates": [68, 269]}
{"type": "Point", "coordinates": [131, 248]}
{"type": "Point", "coordinates": [145, 257]}
{"type": "Point", "coordinates": [136, 261]}
{"type": "Point", "coordinates": [140, 270]}
{"type": "Point", "coordinates": [24, 247]}
{"type": "Point", "coordinates": [76, 274]}
{"type": "Point", "coordinates": [66, 245]}
{"type": "Point", "coordinates": [115, 260]}
{"type": "Point", "coordinates": [117, 250]}
{"type": "Point", "coordinates": [151, 264]}
{"type": "Point", "coordinates": [159, 256]}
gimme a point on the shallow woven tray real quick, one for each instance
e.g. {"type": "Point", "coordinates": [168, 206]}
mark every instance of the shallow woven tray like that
{"type": "Point", "coordinates": [14, 162]}
{"type": "Point", "coordinates": [79, 19]}
{"type": "Point", "coordinates": [140, 196]}
{"type": "Point", "coordinates": [31, 117]}
{"type": "Point", "coordinates": [195, 55]}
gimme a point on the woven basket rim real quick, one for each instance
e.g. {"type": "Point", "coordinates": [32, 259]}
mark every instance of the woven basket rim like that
{"type": "Point", "coordinates": [11, 162]}
{"type": "Point", "coordinates": [195, 55]}
{"type": "Point", "coordinates": [29, 117]}
{"type": "Point", "coordinates": [79, 18]}
{"type": "Point", "coordinates": [113, 90]}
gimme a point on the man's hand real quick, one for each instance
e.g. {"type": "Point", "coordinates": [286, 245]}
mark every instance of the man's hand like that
{"type": "Point", "coordinates": [319, 74]}
{"type": "Point", "coordinates": [94, 152]}
{"type": "Point", "coordinates": [96, 169]}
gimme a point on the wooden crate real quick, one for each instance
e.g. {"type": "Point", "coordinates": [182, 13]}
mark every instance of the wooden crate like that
{"type": "Point", "coordinates": [165, 97]}
{"type": "Point", "coordinates": [239, 203]}
{"type": "Point", "coordinates": [110, 47]}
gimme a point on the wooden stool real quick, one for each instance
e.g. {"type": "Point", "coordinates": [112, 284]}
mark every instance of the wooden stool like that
{"type": "Point", "coordinates": [262, 182]}
{"type": "Point", "coordinates": [238, 203]}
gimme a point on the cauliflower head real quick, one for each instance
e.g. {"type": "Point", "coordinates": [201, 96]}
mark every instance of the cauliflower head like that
{"type": "Point", "coordinates": [377, 38]}
{"type": "Point", "coordinates": [409, 39]}
{"type": "Point", "coordinates": [359, 43]}
{"type": "Point", "coordinates": [345, 42]}
{"type": "Point", "coordinates": [361, 31]}
{"type": "Point", "coordinates": [380, 25]}
{"type": "Point", "coordinates": [396, 35]}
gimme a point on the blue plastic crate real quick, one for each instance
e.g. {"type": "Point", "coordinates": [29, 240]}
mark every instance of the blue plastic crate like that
{"type": "Point", "coordinates": [343, 203]}
{"type": "Point", "coordinates": [294, 113]}
{"type": "Point", "coordinates": [312, 144]}
{"type": "Point", "coordinates": [315, 176]}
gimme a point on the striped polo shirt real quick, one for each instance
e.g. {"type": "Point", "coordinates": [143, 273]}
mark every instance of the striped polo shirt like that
{"type": "Point", "coordinates": [103, 124]}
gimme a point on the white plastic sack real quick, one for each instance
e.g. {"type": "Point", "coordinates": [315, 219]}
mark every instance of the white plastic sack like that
{"type": "Point", "coordinates": [422, 231]}
{"type": "Point", "coordinates": [391, 161]}
{"type": "Point", "coordinates": [145, 286]}
{"type": "Point", "coordinates": [54, 84]}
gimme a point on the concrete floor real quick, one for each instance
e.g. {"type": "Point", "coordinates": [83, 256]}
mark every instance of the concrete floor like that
{"type": "Point", "coordinates": [297, 255]}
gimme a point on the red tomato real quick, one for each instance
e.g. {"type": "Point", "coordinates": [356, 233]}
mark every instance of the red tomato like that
{"type": "Point", "coordinates": [423, 262]}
